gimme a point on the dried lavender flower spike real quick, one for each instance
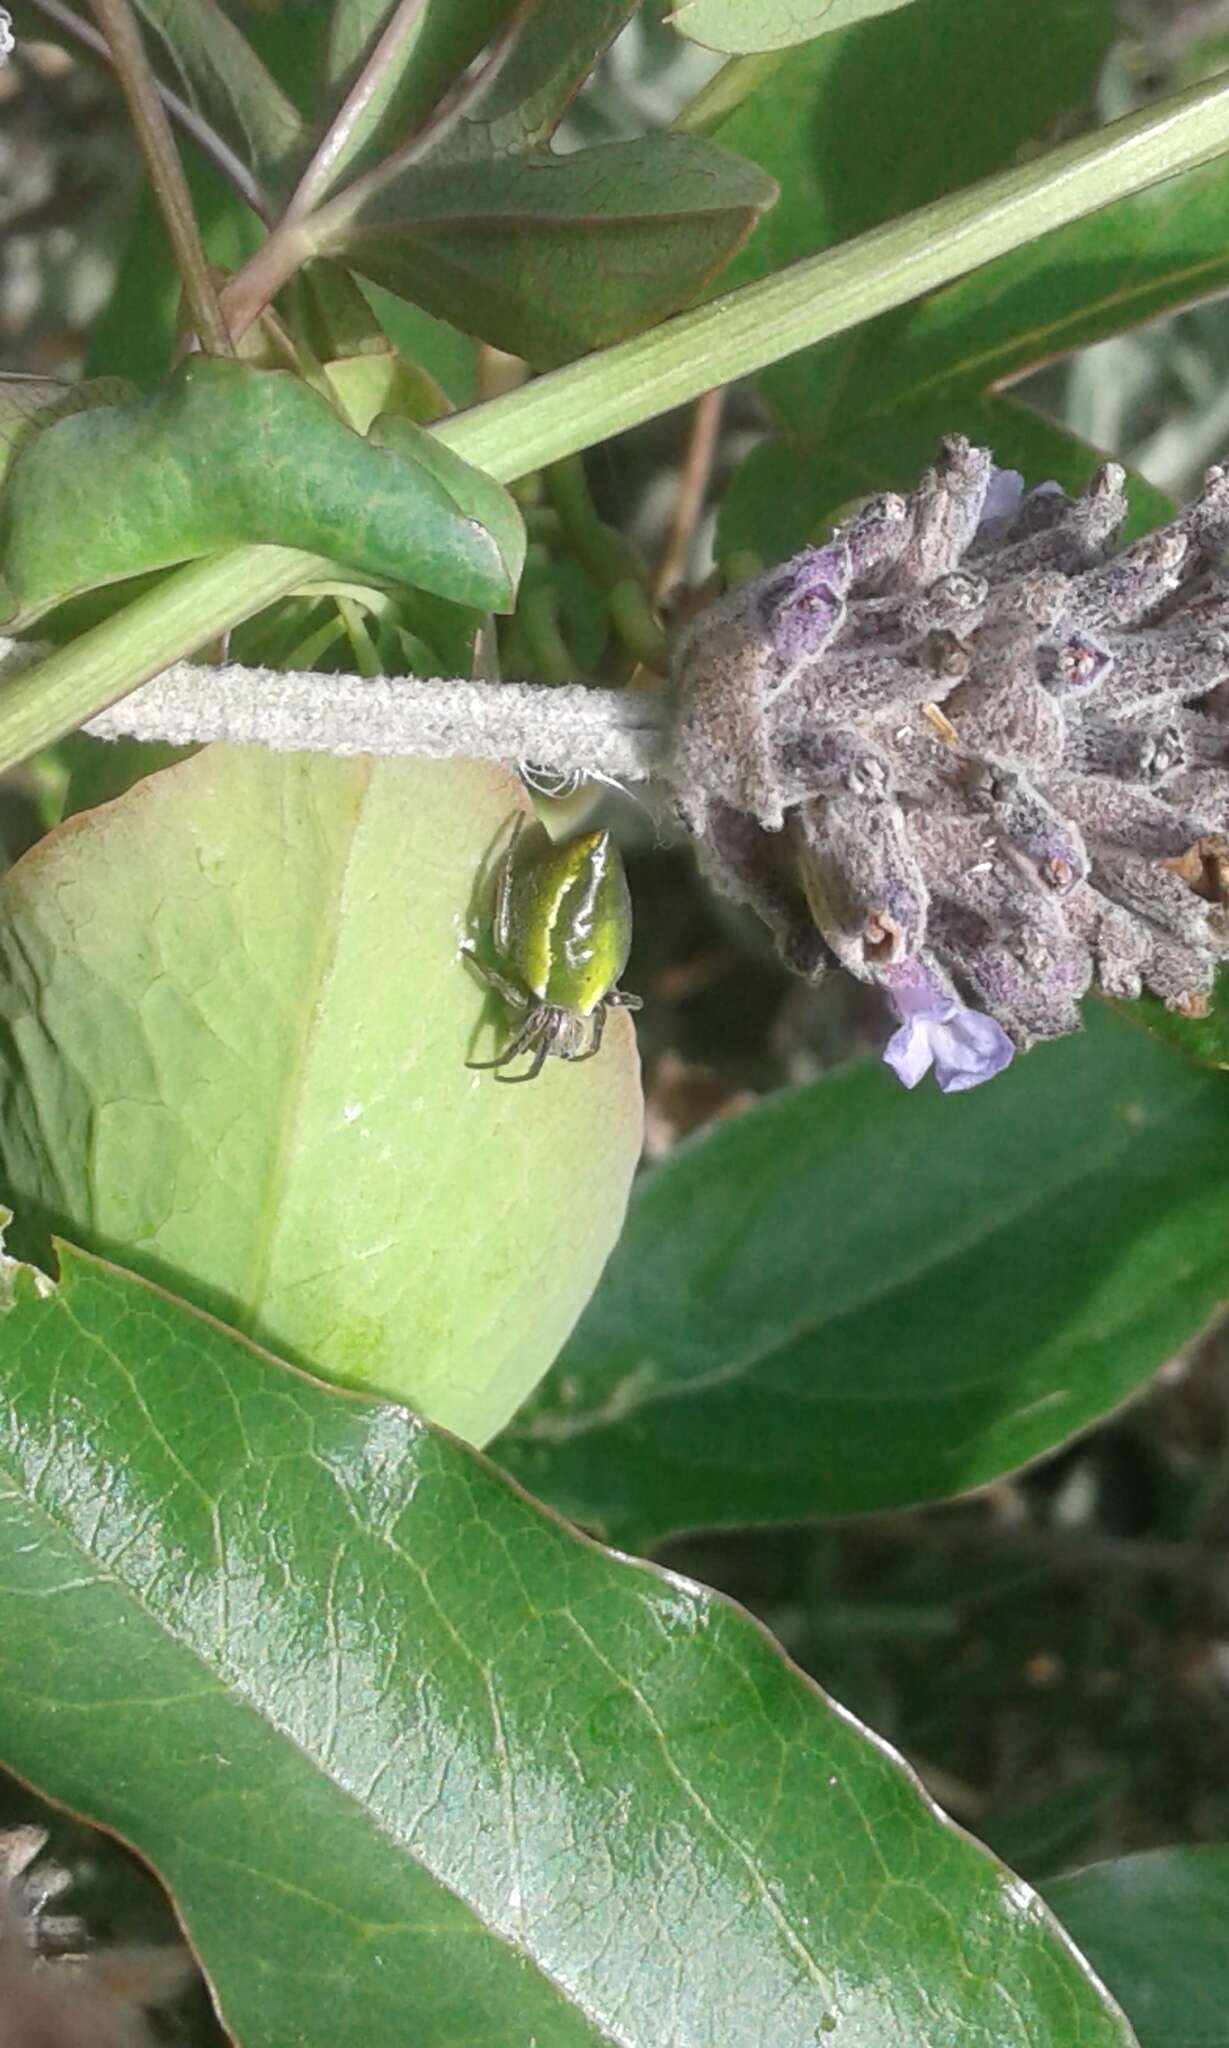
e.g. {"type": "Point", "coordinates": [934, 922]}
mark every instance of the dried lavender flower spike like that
{"type": "Point", "coordinates": [986, 743]}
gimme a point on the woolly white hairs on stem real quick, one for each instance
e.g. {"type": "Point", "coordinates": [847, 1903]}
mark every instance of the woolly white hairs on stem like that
{"type": "Point", "coordinates": [619, 735]}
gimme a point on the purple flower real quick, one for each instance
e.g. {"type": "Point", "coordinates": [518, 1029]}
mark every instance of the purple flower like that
{"type": "Point", "coordinates": [1005, 495]}
{"type": "Point", "coordinates": [963, 1046]}
{"type": "Point", "coordinates": [807, 605]}
{"type": "Point", "coordinates": [1004, 492]}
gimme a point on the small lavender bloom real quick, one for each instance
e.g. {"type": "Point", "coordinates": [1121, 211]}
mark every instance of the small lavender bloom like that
{"type": "Point", "coordinates": [1002, 500]}
{"type": "Point", "coordinates": [963, 1046]}
{"type": "Point", "coordinates": [807, 608]}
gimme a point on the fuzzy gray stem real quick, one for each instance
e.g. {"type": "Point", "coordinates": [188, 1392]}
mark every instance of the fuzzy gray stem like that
{"type": "Point", "coordinates": [622, 734]}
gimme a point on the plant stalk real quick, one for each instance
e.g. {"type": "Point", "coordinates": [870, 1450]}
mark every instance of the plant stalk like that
{"type": "Point", "coordinates": [570, 728]}
{"type": "Point", "coordinates": [338, 139]}
{"type": "Point", "coordinates": [166, 176]}
{"type": "Point", "coordinates": [305, 232]}
{"type": "Point", "coordinates": [584, 403]}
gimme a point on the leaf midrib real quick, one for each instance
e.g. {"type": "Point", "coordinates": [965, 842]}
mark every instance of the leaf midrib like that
{"type": "Point", "coordinates": [236, 1697]}
{"type": "Point", "coordinates": [271, 1214]}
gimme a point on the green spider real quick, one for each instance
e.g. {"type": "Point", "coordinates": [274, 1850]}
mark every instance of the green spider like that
{"type": "Point", "coordinates": [563, 928]}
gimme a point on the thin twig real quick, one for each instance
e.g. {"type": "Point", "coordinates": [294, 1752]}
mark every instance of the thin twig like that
{"type": "Point", "coordinates": [318, 176]}
{"type": "Point", "coordinates": [619, 734]}
{"type": "Point", "coordinates": [166, 176]}
{"type": "Point", "coordinates": [300, 236]}
{"type": "Point", "coordinates": [692, 488]}
{"type": "Point", "coordinates": [207, 139]}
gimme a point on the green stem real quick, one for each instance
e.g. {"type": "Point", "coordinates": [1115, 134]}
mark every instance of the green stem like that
{"type": "Point", "coordinates": [166, 176]}
{"type": "Point", "coordinates": [637, 625]}
{"type": "Point", "coordinates": [737, 79]}
{"type": "Point", "coordinates": [606, 553]}
{"type": "Point", "coordinates": [604, 394]}
{"type": "Point", "coordinates": [746, 330]}
{"type": "Point", "coordinates": [553, 660]}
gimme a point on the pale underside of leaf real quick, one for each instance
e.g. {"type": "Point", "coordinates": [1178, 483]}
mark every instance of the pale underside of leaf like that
{"type": "Point", "coordinates": [741, 27]}
{"type": "Point", "coordinates": [236, 1016]}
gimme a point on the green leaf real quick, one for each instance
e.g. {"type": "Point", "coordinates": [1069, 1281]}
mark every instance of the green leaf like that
{"type": "Point", "coordinates": [861, 128]}
{"type": "Point", "coordinates": [412, 1752]}
{"type": "Point", "coordinates": [378, 382]}
{"type": "Point", "coordinates": [851, 1299]}
{"type": "Point", "coordinates": [442, 352]}
{"type": "Point", "coordinates": [523, 101]}
{"type": "Point", "coordinates": [1203, 1039]}
{"type": "Point", "coordinates": [223, 453]}
{"type": "Point", "coordinates": [743, 26]}
{"type": "Point", "coordinates": [28, 404]}
{"type": "Point", "coordinates": [1152, 254]}
{"type": "Point", "coordinates": [227, 83]}
{"type": "Point", "coordinates": [551, 52]}
{"type": "Point", "coordinates": [235, 1021]}
{"type": "Point", "coordinates": [338, 320]}
{"type": "Point", "coordinates": [856, 414]}
{"type": "Point", "coordinates": [789, 485]}
{"type": "Point", "coordinates": [1153, 1927]}
{"type": "Point", "coordinates": [549, 256]}
{"type": "Point", "coordinates": [441, 39]}
{"type": "Point", "coordinates": [493, 508]}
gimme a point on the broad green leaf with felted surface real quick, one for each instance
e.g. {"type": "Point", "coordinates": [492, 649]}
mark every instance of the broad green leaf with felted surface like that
{"type": "Point", "coordinates": [235, 1018]}
{"type": "Point", "coordinates": [740, 27]}
{"type": "Point", "coordinates": [1153, 1927]}
{"type": "Point", "coordinates": [415, 1757]}
{"type": "Point", "coordinates": [851, 1299]}
{"type": "Point", "coordinates": [224, 454]}
{"type": "Point", "coordinates": [549, 256]}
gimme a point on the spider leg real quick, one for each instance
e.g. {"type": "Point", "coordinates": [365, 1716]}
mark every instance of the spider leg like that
{"type": "Point", "coordinates": [513, 996]}
{"type": "Point", "coordinates": [536, 1064]}
{"type": "Point", "coordinates": [595, 1042]}
{"type": "Point", "coordinates": [546, 1025]}
{"type": "Point", "coordinates": [620, 999]}
{"type": "Point", "coordinates": [520, 1041]}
